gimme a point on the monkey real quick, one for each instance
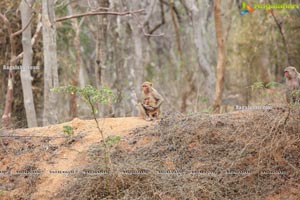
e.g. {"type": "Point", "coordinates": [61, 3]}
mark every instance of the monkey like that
{"type": "Point", "coordinates": [153, 114]}
{"type": "Point", "coordinates": [155, 100]}
{"type": "Point", "coordinates": [292, 80]}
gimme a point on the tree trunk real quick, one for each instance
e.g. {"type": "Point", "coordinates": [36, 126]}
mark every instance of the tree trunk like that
{"type": "Point", "coordinates": [101, 48]}
{"type": "Point", "coordinates": [27, 61]}
{"type": "Point", "coordinates": [50, 63]}
{"type": "Point", "coordinates": [138, 61]}
{"type": "Point", "coordinates": [208, 71]}
{"type": "Point", "coordinates": [8, 101]}
{"type": "Point", "coordinates": [78, 61]}
{"type": "Point", "coordinates": [221, 58]}
{"type": "Point", "coordinates": [137, 74]}
{"type": "Point", "coordinates": [6, 117]}
{"type": "Point", "coordinates": [182, 72]}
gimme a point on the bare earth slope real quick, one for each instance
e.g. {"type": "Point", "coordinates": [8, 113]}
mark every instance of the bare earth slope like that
{"type": "Point", "coordinates": [239, 155]}
{"type": "Point", "coordinates": [56, 154]}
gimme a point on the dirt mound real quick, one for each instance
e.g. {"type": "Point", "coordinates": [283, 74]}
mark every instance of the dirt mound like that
{"type": "Point", "coordinates": [240, 155]}
{"type": "Point", "coordinates": [36, 167]}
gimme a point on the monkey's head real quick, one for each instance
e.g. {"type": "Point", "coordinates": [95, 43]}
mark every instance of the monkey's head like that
{"type": "Point", "coordinates": [147, 101]}
{"type": "Point", "coordinates": [146, 87]}
{"type": "Point", "coordinates": [290, 72]}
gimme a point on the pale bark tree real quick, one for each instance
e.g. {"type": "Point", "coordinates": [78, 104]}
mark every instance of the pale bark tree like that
{"type": "Point", "coordinates": [50, 63]}
{"type": "Point", "coordinates": [186, 83]}
{"type": "Point", "coordinates": [181, 65]}
{"type": "Point", "coordinates": [78, 60]}
{"type": "Point", "coordinates": [6, 117]}
{"type": "Point", "coordinates": [27, 61]}
{"type": "Point", "coordinates": [100, 60]}
{"type": "Point", "coordinates": [101, 70]}
{"type": "Point", "coordinates": [138, 62]}
{"type": "Point", "coordinates": [119, 58]}
{"type": "Point", "coordinates": [198, 21]}
{"type": "Point", "coordinates": [221, 58]}
{"type": "Point", "coordinates": [137, 73]}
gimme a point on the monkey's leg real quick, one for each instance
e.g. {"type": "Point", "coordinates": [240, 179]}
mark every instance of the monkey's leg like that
{"type": "Point", "coordinates": [142, 111]}
{"type": "Point", "coordinates": [158, 113]}
{"type": "Point", "coordinates": [155, 114]}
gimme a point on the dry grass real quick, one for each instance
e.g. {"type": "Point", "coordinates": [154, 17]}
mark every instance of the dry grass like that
{"type": "Point", "coordinates": [261, 148]}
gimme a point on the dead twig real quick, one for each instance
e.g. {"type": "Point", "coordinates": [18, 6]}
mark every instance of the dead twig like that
{"type": "Point", "coordinates": [91, 13]}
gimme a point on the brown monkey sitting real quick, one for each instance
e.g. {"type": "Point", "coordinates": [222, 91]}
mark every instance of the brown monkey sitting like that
{"type": "Point", "coordinates": [292, 80]}
{"type": "Point", "coordinates": [155, 101]}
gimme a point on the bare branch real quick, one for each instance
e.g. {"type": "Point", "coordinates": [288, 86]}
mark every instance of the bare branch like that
{"type": "Point", "coordinates": [100, 13]}
{"type": "Point", "coordinates": [23, 29]}
{"type": "Point", "coordinates": [162, 19]}
{"type": "Point", "coordinates": [33, 39]}
{"type": "Point", "coordinates": [6, 22]}
{"type": "Point", "coordinates": [143, 29]}
{"type": "Point", "coordinates": [175, 10]}
{"type": "Point", "coordinates": [150, 12]}
{"type": "Point", "coordinates": [279, 25]}
{"type": "Point", "coordinates": [38, 30]}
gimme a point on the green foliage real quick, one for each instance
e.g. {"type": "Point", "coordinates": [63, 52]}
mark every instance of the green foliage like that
{"type": "Point", "coordinates": [89, 94]}
{"type": "Point", "coordinates": [203, 99]}
{"type": "Point", "coordinates": [207, 110]}
{"type": "Point", "coordinates": [295, 92]}
{"type": "Point", "coordinates": [261, 85]}
{"type": "Point", "coordinates": [68, 130]}
{"type": "Point", "coordinates": [111, 140]}
{"type": "Point", "coordinates": [257, 85]}
{"type": "Point", "coordinates": [273, 84]}
{"type": "Point", "coordinates": [261, 91]}
{"type": "Point", "coordinates": [86, 43]}
{"type": "Point", "coordinates": [92, 96]}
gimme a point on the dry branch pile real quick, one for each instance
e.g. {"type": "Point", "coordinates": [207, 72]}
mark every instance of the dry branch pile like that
{"type": "Point", "coordinates": [240, 155]}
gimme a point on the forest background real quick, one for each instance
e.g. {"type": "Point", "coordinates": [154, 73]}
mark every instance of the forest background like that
{"type": "Point", "coordinates": [119, 44]}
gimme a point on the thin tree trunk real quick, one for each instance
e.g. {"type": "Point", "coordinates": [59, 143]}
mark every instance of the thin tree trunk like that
{"type": "Point", "coordinates": [139, 66]}
{"type": "Point", "coordinates": [283, 37]}
{"type": "Point", "coordinates": [138, 71]}
{"type": "Point", "coordinates": [27, 61]}
{"type": "Point", "coordinates": [221, 58]}
{"type": "Point", "coordinates": [6, 117]}
{"type": "Point", "coordinates": [50, 63]}
{"type": "Point", "coordinates": [78, 61]}
{"type": "Point", "coordinates": [101, 48]}
{"type": "Point", "coordinates": [184, 93]}
{"type": "Point", "coordinates": [201, 46]}
{"type": "Point", "coordinates": [105, 110]}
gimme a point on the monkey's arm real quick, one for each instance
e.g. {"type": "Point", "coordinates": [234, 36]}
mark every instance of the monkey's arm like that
{"type": "Point", "coordinates": [147, 107]}
{"type": "Point", "coordinates": [158, 97]}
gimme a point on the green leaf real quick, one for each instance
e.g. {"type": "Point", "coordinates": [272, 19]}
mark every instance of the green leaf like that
{"type": "Point", "coordinates": [257, 85]}
{"type": "Point", "coordinates": [68, 130]}
{"type": "Point", "coordinates": [110, 140]}
{"type": "Point", "coordinates": [273, 84]}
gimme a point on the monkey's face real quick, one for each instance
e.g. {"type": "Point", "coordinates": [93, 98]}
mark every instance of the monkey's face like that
{"type": "Point", "coordinates": [147, 101]}
{"type": "Point", "coordinates": [290, 72]}
{"type": "Point", "coordinates": [145, 89]}
{"type": "Point", "coordinates": [286, 74]}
